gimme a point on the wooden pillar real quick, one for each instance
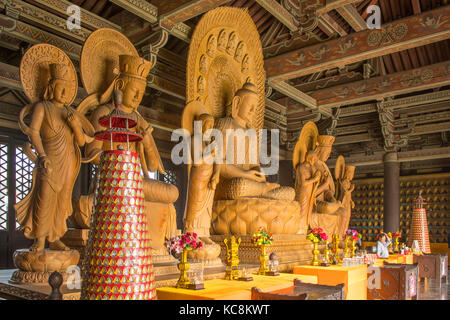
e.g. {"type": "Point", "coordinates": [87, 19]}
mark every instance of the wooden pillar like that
{"type": "Point", "coordinates": [391, 219]}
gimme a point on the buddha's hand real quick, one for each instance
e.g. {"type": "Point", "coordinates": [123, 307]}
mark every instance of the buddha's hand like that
{"type": "Point", "coordinates": [214, 180]}
{"type": "Point", "coordinates": [45, 163]}
{"type": "Point", "coordinates": [256, 175]}
{"type": "Point", "coordinates": [70, 118]}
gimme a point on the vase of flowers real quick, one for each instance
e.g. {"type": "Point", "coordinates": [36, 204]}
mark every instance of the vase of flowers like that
{"type": "Point", "coordinates": [353, 236]}
{"type": "Point", "coordinates": [181, 245]}
{"type": "Point", "coordinates": [316, 235]}
{"type": "Point", "coordinates": [262, 238]}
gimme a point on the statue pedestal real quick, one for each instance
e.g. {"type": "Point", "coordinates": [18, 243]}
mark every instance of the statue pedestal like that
{"type": "Point", "coordinates": [291, 250]}
{"type": "Point", "coordinates": [244, 216]}
{"type": "Point", "coordinates": [76, 239]}
{"type": "Point", "coordinates": [36, 267]}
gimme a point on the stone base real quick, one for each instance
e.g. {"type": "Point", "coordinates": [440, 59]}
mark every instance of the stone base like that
{"type": "Point", "coordinates": [291, 250]}
{"type": "Point", "coordinates": [24, 277]}
{"type": "Point", "coordinates": [36, 267]}
{"type": "Point", "coordinates": [45, 260]}
{"type": "Point", "coordinates": [245, 216]}
{"type": "Point", "coordinates": [76, 239]}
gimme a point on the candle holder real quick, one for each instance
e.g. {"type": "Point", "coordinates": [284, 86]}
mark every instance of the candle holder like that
{"type": "Point", "coordinates": [336, 249]}
{"type": "Point", "coordinates": [232, 262]}
{"type": "Point", "coordinates": [326, 253]}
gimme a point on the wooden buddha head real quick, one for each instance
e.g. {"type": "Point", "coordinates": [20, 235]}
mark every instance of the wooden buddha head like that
{"type": "Point", "coordinates": [132, 80]}
{"type": "Point", "coordinates": [244, 104]}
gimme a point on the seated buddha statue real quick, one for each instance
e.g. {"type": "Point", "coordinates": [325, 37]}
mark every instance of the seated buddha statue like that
{"type": "Point", "coordinates": [246, 179]}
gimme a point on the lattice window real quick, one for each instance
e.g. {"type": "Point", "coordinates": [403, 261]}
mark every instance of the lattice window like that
{"type": "Point", "coordinates": [170, 177]}
{"type": "Point", "coordinates": [3, 187]}
{"type": "Point", "coordinates": [24, 176]}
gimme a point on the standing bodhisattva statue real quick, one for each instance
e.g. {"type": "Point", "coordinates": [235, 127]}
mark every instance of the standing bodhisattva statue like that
{"type": "Point", "coordinates": [56, 132]}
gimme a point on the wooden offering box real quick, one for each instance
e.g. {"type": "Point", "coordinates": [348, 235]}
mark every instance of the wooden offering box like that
{"type": "Point", "coordinates": [392, 282]}
{"type": "Point", "coordinates": [432, 266]}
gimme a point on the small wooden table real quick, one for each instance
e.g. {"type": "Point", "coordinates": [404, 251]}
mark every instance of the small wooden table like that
{"type": "Point", "coordinates": [221, 289]}
{"type": "Point", "coordinates": [354, 278]}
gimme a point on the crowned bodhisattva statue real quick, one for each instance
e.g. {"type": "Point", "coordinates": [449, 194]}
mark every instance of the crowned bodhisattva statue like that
{"type": "Point", "coordinates": [108, 52]}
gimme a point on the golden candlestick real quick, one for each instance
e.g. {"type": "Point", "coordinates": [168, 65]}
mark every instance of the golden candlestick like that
{"type": "Point", "coordinates": [316, 252]}
{"type": "Point", "coordinates": [232, 263]}
{"type": "Point", "coordinates": [326, 253]}
{"type": "Point", "coordinates": [336, 248]}
{"type": "Point", "coordinates": [263, 258]}
{"type": "Point", "coordinates": [347, 249]}
{"type": "Point", "coordinates": [183, 266]}
{"type": "Point", "coordinates": [353, 249]}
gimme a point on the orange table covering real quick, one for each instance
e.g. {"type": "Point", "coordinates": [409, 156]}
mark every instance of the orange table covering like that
{"type": "Point", "coordinates": [400, 258]}
{"type": "Point", "coordinates": [354, 278]}
{"type": "Point", "coordinates": [221, 289]}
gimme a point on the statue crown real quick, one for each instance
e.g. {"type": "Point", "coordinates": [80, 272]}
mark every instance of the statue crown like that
{"type": "Point", "coordinates": [349, 171]}
{"type": "Point", "coordinates": [59, 71]}
{"type": "Point", "coordinates": [326, 141]}
{"type": "Point", "coordinates": [134, 66]}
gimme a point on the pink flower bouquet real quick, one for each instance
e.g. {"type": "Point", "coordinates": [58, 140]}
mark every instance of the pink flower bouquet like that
{"type": "Point", "coordinates": [188, 241]}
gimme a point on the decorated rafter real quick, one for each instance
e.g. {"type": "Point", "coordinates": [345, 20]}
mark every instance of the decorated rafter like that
{"type": "Point", "coordinates": [89, 19]}
{"type": "Point", "coordinates": [432, 76]}
{"type": "Point", "coordinates": [187, 11]}
{"type": "Point", "coordinates": [429, 27]}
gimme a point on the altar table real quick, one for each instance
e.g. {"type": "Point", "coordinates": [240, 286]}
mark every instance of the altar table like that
{"type": "Point", "coordinates": [221, 289]}
{"type": "Point", "coordinates": [396, 258]}
{"type": "Point", "coordinates": [354, 278]}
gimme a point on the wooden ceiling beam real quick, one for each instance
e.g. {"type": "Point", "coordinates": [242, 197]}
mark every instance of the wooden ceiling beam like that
{"type": "Point", "coordinates": [353, 18]}
{"type": "Point", "coordinates": [280, 13]}
{"type": "Point", "coordinates": [394, 37]}
{"type": "Point", "coordinates": [403, 156]}
{"type": "Point", "coordinates": [334, 4]}
{"type": "Point", "coordinates": [432, 76]}
{"type": "Point", "coordinates": [365, 14]}
{"type": "Point", "coordinates": [45, 20]}
{"type": "Point", "coordinates": [187, 11]}
{"type": "Point", "coordinates": [89, 19]}
{"type": "Point", "coordinates": [30, 34]}
{"type": "Point", "coordinates": [416, 6]}
{"type": "Point", "coordinates": [141, 8]}
{"type": "Point", "coordinates": [327, 19]}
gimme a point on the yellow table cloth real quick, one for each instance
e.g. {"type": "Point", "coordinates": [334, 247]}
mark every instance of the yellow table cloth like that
{"type": "Point", "coordinates": [354, 278]}
{"type": "Point", "coordinates": [221, 289]}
